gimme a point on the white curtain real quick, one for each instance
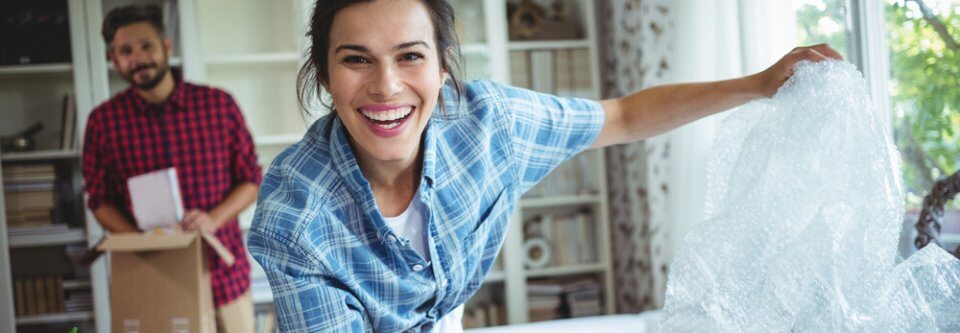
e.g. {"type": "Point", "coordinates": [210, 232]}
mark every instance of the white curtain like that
{"type": "Point", "coordinates": [716, 40]}
{"type": "Point", "coordinates": [657, 186]}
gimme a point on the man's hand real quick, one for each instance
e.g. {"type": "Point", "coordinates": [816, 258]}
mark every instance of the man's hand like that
{"type": "Point", "coordinates": [772, 78]}
{"type": "Point", "coordinates": [200, 220]}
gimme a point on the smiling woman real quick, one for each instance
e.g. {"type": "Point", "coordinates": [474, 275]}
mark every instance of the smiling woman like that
{"type": "Point", "coordinates": [386, 216]}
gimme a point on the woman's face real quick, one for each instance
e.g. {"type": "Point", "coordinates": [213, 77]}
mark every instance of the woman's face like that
{"type": "Point", "coordinates": [385, 76]}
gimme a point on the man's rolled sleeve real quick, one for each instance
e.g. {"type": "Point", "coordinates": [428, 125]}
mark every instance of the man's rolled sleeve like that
{"type": "Point", "coordinates": [96, 165]}
{"type": "Point", "coordinates": [244, 165]}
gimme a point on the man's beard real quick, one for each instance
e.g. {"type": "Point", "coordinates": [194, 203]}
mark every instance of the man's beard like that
{"type": "Point", "coordinates": [151, 82]}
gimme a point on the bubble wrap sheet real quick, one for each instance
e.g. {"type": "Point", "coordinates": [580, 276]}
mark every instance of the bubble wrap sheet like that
{"type": "Point", "coordinates": [804, 209]}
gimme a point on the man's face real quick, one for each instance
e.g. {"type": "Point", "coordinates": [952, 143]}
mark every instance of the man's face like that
{"type": "Point", "coordinates": [140, 55]}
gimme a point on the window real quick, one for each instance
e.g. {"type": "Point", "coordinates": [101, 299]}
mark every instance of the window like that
{"type": "Point", "coordinates": [923, 38]}
{"type": "Point", "coordinates": [923, 97]}
{"type": "Point", "coordinates": [822, 21]}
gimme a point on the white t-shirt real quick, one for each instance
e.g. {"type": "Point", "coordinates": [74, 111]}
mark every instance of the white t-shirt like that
{"type": "Point", "coordinates": [412, 225]}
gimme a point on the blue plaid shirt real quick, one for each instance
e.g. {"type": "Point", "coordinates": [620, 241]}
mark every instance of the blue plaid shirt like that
{"type": "Point", "coordinates": [334, 264]}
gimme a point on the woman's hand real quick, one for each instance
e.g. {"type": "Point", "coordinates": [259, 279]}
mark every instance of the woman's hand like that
{"type": "Point", "coordinates": [769, 80]}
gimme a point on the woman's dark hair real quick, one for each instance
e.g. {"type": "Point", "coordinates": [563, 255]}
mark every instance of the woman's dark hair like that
{"type": "Point", "coordinates": [126, 15]}
{"type": "Point", "coordinates": [315, 70]}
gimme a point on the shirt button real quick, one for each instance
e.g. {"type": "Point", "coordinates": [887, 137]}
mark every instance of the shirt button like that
{"type": "Point", "coordinates": [391, 239]}
{"type": "Point", "coordinates": [417, 267]}
{"type": "Point", "coordinates": [443, 283]}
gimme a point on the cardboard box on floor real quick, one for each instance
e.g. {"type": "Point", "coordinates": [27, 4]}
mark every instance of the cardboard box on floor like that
{"type": "Point", "coordinates": [160, 282]}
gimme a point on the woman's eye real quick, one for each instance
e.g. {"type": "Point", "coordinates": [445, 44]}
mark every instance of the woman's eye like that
{"type": "Point", "coordinates": [354, 60]}
{"type": "Point", "coordinates": [412, 56]}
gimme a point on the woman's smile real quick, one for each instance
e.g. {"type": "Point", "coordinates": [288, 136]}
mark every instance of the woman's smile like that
{"type": "Point", "coordinates": [386, 120]}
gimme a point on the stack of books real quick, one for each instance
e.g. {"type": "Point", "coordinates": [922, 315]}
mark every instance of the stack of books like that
{"type": "Point", "coordinates": [543, 300]}
{"type": "Point", "coordinates": [28, 195]}
{"type": "Point", "coordinates": [38, 295]}
{"type": "Point", "coordinates": [554, 299]}
{"type": "Point", "coordinates": [582, 299]}
{"type": "Point", "coordinates": [78, 296]}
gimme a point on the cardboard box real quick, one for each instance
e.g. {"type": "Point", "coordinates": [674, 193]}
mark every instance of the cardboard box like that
{"type": "Point", "coordinates": [161, 282]}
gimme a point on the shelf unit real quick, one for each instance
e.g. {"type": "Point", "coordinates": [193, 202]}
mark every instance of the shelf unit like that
{"type": "Point", "coordinates": [533, 64]}
{"type": "Point", "coordinates": [34, 93]}
{"type": "Point", "coordinates": [254, 52]}
{"type": "Point", "coordinates": [36, 69]}
{"type": "Point", "coordinates": [73, 235]}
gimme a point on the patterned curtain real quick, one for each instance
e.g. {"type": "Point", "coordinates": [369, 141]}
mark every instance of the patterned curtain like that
{"type": "Point", "coordinates": [637, 38]}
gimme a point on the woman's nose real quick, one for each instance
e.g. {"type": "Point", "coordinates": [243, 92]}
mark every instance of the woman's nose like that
{"type": "Point", "coordinates": [385, 83]}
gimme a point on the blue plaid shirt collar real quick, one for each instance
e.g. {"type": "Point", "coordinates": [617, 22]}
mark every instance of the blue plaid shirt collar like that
{"type": "Point", "coordinates": [346, 164]}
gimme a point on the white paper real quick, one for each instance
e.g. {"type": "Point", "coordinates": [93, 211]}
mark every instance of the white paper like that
{"type": "Point", "coordinates": [156, 200]}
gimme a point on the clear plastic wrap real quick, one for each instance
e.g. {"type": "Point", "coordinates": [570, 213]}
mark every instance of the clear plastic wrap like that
{"type": "Point", "coordinates": [804, 210]}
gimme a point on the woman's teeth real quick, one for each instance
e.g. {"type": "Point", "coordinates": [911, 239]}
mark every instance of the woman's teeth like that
{"type": "Point", "coordinates": [387, 116]}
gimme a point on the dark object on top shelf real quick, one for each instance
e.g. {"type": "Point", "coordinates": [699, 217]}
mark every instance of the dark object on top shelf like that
{"type": "Point", "coordinates": [22, 141]}
{"type": "Point", "coordinates": [931, 216]}
{"type": "Point", "coordinates": [530, 21]}
{"type": "Point", "coordinates": [34, 32]}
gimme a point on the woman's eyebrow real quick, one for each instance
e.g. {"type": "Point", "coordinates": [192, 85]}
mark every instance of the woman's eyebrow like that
{"type": "Point", "coordinates": [364, 49]}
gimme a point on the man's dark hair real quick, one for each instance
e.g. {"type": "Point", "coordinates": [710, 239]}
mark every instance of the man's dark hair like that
{"type": "Point", "coordinates": [126, 15]}
{"type": "Point", "coordinates": [314, 72]}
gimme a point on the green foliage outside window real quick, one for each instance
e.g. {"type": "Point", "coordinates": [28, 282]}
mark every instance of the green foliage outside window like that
{"type": "Point", "coordinates": [923, 39]}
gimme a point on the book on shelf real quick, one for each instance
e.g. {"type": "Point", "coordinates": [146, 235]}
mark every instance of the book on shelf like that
{"type": "Point", "coordinates": [563, 298]}
{"type": "Point", "coordinates": [582, 298]}
{"type": "Point", "coordinates": [77, 301]}
{"type": "Point", "coordinates": [68, 123]}
{"type": "Point", "coordinates": [39, 295]}
{"type": "Point", "coordinates": [35, 197]}
{"type": "Point", "coordinates": [543, 299]}
{"type": "Point", "coordinates": [27, 173]}
{"type": "Point", "coordinates": [17, 201]}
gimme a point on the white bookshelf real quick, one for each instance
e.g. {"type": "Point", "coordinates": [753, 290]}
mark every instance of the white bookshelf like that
{"type": "Point", "coordinates": [254, 52]}
{"type": "Point", "coordinates": [34, 93]}
{"type": "Point", "coordinates": [66, 317]}
{"type": "Point", "coordinates": [550, 45]}
{"type": "Point", "coordinates": [41, 155]}
{"type": "Point", "coordinates": [509, 283]}
{"type": "Point", "coordinates": [74, 235]}
{"type": "Point", "coordinates": [64, 68]}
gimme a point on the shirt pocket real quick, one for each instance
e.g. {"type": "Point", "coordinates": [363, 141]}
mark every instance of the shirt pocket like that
{"type": "Point", "coordinates": [497, 213]}
{"type": "Point", "coordinates": [483, 241]}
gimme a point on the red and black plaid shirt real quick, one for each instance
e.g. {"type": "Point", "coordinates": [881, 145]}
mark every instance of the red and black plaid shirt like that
{"type": "Point", "coordinates": [200, 131]}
